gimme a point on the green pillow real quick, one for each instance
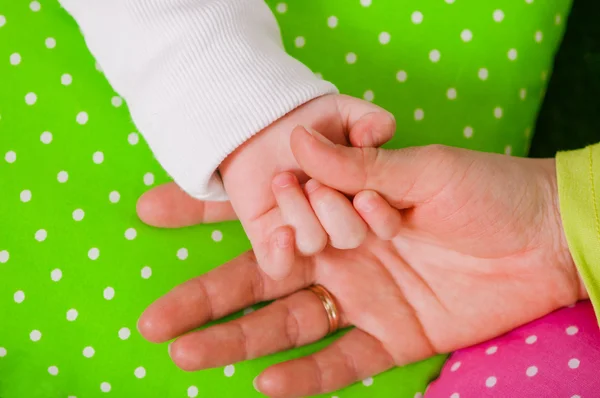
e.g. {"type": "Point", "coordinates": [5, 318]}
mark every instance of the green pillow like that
{"type": "Point", "coordinates": [77, 267]}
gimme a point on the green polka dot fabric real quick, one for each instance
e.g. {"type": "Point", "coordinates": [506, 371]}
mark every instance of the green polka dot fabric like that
{"type": "Point", "coordinates": [77, 267]}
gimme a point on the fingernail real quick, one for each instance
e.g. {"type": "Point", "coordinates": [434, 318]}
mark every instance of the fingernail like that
{"type": "Point", "coordinates": [283, 239]}
{"type": "Point", "coordinates": [311, 186]}
{"type": "Point", "coordinates": [319, 137]}
{"type": "Point", "coordinates": [283, 180]}
{"type": "Point", "coordinates": [254, 383]}
{"type": "Point", "coordinates": [366, 201]}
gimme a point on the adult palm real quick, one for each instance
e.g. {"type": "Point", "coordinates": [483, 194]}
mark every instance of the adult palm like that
{"type": "Point", "coordinates": [474, 249]}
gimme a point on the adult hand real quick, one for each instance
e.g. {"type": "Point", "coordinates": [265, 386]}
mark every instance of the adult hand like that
{"type": "Point", "coordinates": [247, 174]}
{"type": "Point", "coordinates": [470, 248]}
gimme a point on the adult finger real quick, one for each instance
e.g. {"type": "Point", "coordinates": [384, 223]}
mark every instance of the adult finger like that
{"type": "Point", "coordinates": [291, 322]}
{"type": "Point", "coordinates": [167, 206]}
{"type": "Point", "coordinates": [354, 357]}
{"type": "Point", "coordinates": [403, 177]}
{"type": "Point", "coordinates": [382, 219]}
{"type": "Point", "coordinates": [342, 223]}
{"type": "Point", "coordinates": [368, 125]}
{"type": "Point", "coordinates": [296, 212]}
{"type": "Point", "coordinates": [229, 288]}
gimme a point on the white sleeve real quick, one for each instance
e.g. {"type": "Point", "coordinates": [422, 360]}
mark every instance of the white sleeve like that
{"type": "Point", "coordinates": [200, 76]}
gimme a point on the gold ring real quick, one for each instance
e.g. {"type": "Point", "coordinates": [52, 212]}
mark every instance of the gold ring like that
{"type": "Point", "coordinates": [330, 307]}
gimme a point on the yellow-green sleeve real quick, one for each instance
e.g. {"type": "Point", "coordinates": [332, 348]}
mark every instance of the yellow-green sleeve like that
{"type": "Point", "coordinates": [578, 174]}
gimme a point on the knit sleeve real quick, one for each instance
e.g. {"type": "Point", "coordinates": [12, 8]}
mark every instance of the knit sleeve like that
{"type": "Point", "coordinates": [578, 175]}
{"type": "Point", "coordinates": [200, 77]}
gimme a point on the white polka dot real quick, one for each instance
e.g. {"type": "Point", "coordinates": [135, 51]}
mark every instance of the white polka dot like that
{"type": "Point", "coordinates": [572, 330]}
{"type": "Point", "coordinates": [281, 8]}
{"type": "Point", "coordinates": [182, 253]}
{"type": "Point", "coordinates": [468, 132]}
{"type": "Point", "coordinates": [148, 179]}
{"type": "Point", "coordinates": [417, 17]}
{"type": "Point", "coordinates": [2, 20]}
{"type": "Point", "coordinates": [53, 370]}
{"type": "Point", "coordinates": [531, 371]}
{"type": "Point", "coordinates": [78, 215]}
{"type": "Point", "coordinates": [140, 372]}
{"type": "Point", "coordinates": [466, 35]}
{"type": "Point", "coordinates": [401, 76]}
{"type": "Point", "coordinates": [418, 395]}
{"type": "Point", "coordinates": [35, 335]}
{"type": "Point", "coordinates": [15, 59]}
{"type": "Point", "coordinates": [192, 392]}
{"type": "Point", "coordinates": [498, 112]}
{"type": "Point", "coordinates": [365, 3]}
{"type": "Point", "coordinates": [576, 396]}
{"type": "Point", "coordinates": [491, 382]}
{"type": "Point", "coordinates": [93, 253]}
{"type": "Point", "coordinates": [369, 95]}
{"type": "Point", "coordinates": [368, 382]}
{"type": "Point", "coordinates": [483, 74]}
{"type": "Point", "coordinates": [130, 234]}
{"type": "Point", "coordinates": [105, 387]}
{"type": "Point", "coordinates": [332, 21]}
{"type": "Point", "coordinates": [319, 76]}
{"type": "Point", "coordinates": [82, 118]}
{"type": "Point", "coordinates": [229, 370]}
{"type": "Point", "coordinates": [124, 333]}
{"type": "Point", "coordinates": [114, 197]}
{"type": "Point", "coordinates": [4, 256]}
{"type": "Point", "coordinates": [10, 157]}
{"type": "Point", "coordinates": [455, 395]}
{"type": "Point", "coordinates": [451, 93]}
{"type": "Point", "coordinates": [531, 339]}
{"type": "Point", "coordinates": [574, 363]}
{"type": "Point", "coordinates": [2, 352]}
{"type": "Point", "coordinates": [455, 366]}
{"type": "Point", "coordinates": [299, 41]}
{"type": "Point", "coordinates": [41, 235]}
{"type": "Point", "coordinates": [98, 157]}
{"type": "Point", "coordinates": [217, 235]}
{"type": "Point", "coordinates": [56, 275]}
{"type": "Point", "coordinates": [419, 114]}
{"type": "Point", "coordinates": [498, 15]}
{"type": "Point", "coordinates": [30, 98]}
{"type": "Point", "coordinates": [116, 101]}
{"type": "Point", "coordinates": [109, 293]}
{"type": "Point", "coordinates": [558, 19]}
{"type": "Point", "coordinates": [62, 176]}
{"type": "Point", "coordinates": [384, 38]}
{"type": "Point", "coordinates": [351, 58]}
{"type": "Point", "coordinates": [512, 54]}
{"type": "Point", "coordinates": [19, 297]}
{"type": "Point", "coordinates": [89, 352]}
{"type": "Point", "coordinates": [248, 310]}
{"type": "Point", "coordinates": [35, 6]}
{"type": "Point", "coordinates": [50, 42]}
{"type": "Point", "coordinates": [133, 138]}
{"type": "Point", "coordinates": [146, 272]}
{"type": "Point", "coordinates": [25, 196]}
{"type": "Point", "coordinates": [72, 315]}
{"type": "Point", "coordinates": [528, 1]}
{"type": "Point", "coordinates": [450, 1]}
{"type": "Point", "coordinates": [523, 94]}
{"type": "Point", "coordinates": [435, 56]}
{"type": "Point", "coordinates": [491, 350]}
{"type": "Point", "coordinates": [46, 137]}
{"type": "Point", "coordinates": [539, 36]}
{"type": "Point", "coordinates": [66, 79]}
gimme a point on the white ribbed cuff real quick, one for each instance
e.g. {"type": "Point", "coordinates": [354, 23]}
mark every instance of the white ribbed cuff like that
{"type": "Point", "coordinates": [200, 77]}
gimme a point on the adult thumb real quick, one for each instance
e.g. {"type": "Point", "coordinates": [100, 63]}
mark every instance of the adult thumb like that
{"type": "Point", "coordinates": [403, 177]}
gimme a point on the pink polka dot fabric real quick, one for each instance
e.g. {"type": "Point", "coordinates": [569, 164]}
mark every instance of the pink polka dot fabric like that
{"type": "Point", "coordinates": [557, 356]}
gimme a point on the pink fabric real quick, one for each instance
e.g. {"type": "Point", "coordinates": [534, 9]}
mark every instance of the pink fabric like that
{"type": "Point", "coordinates": [557, 356]}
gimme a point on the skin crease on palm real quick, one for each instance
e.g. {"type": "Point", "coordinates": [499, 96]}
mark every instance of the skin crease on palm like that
{"type": "Point", "coordinates": [463, 246]}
